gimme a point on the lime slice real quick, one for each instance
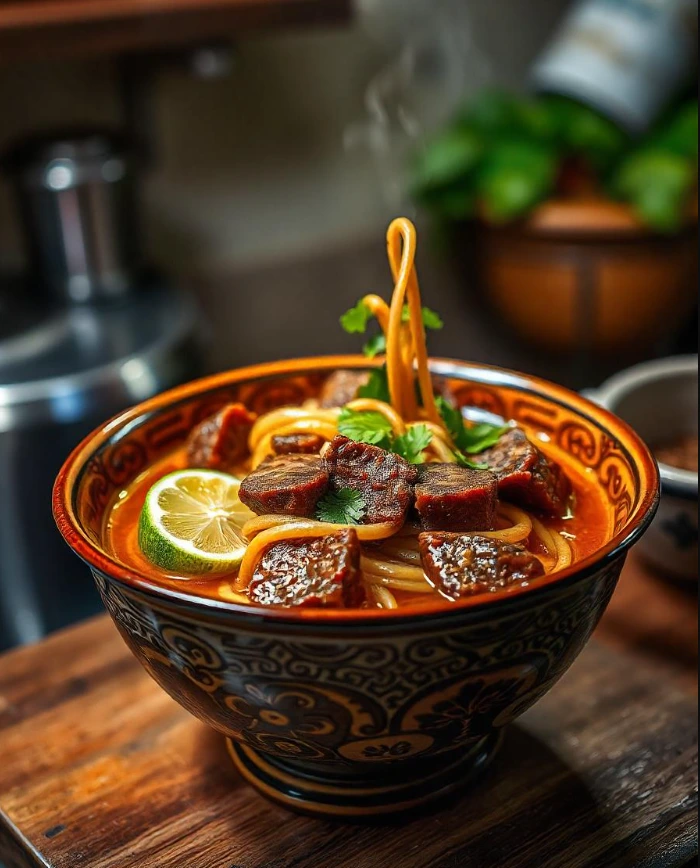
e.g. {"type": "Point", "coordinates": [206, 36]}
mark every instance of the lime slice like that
{"type": "Point", "coordinates": [191, 523]}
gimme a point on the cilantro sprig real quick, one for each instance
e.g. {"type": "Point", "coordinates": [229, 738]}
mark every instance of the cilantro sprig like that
{"type": "Point", "coordinates": [357, 319]}
{"type": "Point", "coordinates": [374, 428]}
{"type": "Point", "coordinates": [377, 386]}
{"type": "Point", "coordinates": [411, 445]}
{"type": "Point", "coordinates": [345, 506]}
{"type": "Point", "coordinates": [469, 439]}
{"type": "Point", "coordinates": [431, 319]}
{"type": "Point", "coordinates": [375, 346]}
{"type": "Point", "coordinates": [365, 427]}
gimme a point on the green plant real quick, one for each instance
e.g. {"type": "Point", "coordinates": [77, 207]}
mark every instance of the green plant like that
{"type": "Point", "coordinates": [503, 155]}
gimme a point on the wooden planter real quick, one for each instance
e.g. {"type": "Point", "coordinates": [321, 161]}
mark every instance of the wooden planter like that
{"type": "Point", "coordinates": [587, 275]}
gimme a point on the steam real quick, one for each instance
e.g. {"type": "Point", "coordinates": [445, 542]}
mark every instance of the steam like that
{"type": "Point", "coordinates": [434, 66]}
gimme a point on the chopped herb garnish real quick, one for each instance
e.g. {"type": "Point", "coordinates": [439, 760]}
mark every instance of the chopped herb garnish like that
{"type": "Point", "coordinates": [355, 320]}
{"type": "Point", "coordinates": [374, 428]}
{"type": "Point", "coordinates": [346, 506]}
{"type": "Point", "coordinates": [468, 439]}
{"type": "Point", "coordinates": [479, 437]}
{"type": "Point", "coordinates": [410, 445]}
{"type": "Point", "coordinates": [463, 461]}
{"type": "Point", "coordinates": [376, 387]}
{"type": "Point", "coordinates": [375, 346]}
{"type": "Point", "coordinates": [365, 427]}
{"type": "Point", "coordinates": [451, 417]}
{"type": "Point", "coordinates": [431, 320]}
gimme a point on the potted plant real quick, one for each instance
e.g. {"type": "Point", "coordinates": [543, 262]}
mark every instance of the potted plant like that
{"type": "Point", "coordinates": [580, 232]}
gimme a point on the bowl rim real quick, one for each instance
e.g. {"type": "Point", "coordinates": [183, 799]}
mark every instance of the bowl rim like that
{"type": "Point", "coordinates": [643, 462]}
{"type": "Point", "coordinates": [682, 483]}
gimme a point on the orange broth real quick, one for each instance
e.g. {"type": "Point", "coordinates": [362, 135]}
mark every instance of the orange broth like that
{"type": "Point", "coordinates": [587, 529]}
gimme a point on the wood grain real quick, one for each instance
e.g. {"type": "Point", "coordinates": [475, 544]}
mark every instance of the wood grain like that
{"type": "Point", "coordinates": [59, 28]}
{"type": "Point", "coordinates": [100, 768]}
{"type": "Point", "coordinates": [656, 619]}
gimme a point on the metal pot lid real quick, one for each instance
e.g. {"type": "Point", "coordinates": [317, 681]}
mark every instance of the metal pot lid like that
{"type": "Point", "coordinates": [79, 361]}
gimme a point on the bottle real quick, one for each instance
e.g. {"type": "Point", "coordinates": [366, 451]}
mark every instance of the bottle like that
{"type": "Point", "coordinates": [625, 58]}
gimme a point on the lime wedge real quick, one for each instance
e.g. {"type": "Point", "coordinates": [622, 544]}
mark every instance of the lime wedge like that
{"type": "Point", "coordinates": [191, 523]}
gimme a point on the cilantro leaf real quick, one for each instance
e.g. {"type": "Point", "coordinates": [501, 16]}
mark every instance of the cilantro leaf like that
{"type": "Point", "coordinates": [452, 418]}
{"type": "Point", "coordinates": [468, 439]}
{"type": "Point", "coordinates": [377, 386]}
{"type": "Point", "coordinates": [377, 344]}
{"type": "Point", "coordinates": [365, 427]}
{"type": "Point", "coordinates": [346, 506]}
{"type": "Point", "coordinates": [354, 321]}
{"type": "Point", "coordinates": [479, 437]}
{"type": "Point", "coordinates": [410, 445]}
{"type": "Point", "coordinates": [431, 320]}
{"type": "Point", "coordinates": [374, 346]}
{"type": "Point", "coordinates": [463, 461]}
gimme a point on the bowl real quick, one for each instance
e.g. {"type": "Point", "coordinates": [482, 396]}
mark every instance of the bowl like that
{"type": "Point", "coordinates": [586, 275]}
{"type": "Point", "coordinates": [352, 714]}
{"type": "Point", "coordinates": [660, 400]}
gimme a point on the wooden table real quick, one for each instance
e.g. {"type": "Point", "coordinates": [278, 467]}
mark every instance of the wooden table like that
{"type": "Point", "coordinates": [657, 620]}
{"type": "Point", "coordinates": [99, 768]}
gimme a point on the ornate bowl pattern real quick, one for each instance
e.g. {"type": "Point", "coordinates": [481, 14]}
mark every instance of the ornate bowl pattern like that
{"type": "Point", "coordinates": [357, 713]}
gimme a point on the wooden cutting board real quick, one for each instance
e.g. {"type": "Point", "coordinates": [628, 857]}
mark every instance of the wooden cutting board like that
{"type": "Point", "coordinates": [99, 768]}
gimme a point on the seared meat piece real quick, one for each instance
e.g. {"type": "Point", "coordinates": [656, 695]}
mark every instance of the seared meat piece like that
{"type": "Point", "coordinates": [450, 497]}
{"type": "Point", "coordinates": [221, 441]}
{"type": "Point", "coordinates": [297, 444]}
{"type": "Point", "coordinates": [323, 572]}
{"type": "Point", "coordinates": [341, 388]}
{"type": "Point", "coordinates": [525, 475]}
{"type": "Point", "coordinates": [463, 564]}
{"type": "Point", "coordinates": [384, 479]}
{"type": "Point", "coordinates": [286, 485]}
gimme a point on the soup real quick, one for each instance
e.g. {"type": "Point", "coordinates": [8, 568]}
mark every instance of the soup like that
{"type": "Point", "coordinates": [378, 493]}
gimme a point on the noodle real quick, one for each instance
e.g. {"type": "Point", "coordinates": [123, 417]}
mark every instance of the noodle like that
{"type": "Point", "coordinates": [382, 597]}
{"type": "Point", "coordinates": [379, 308]}
{"type": "Point", "coordinates": [263, 449]}
{"type": "Point", "coordinates": [380, 567]}
{"type": "Point", "coordinates": [269, 529]}
{"type": "Point", "coordinates": [285, 416]}
{"type": "Point", "coordinates": [393, 561]}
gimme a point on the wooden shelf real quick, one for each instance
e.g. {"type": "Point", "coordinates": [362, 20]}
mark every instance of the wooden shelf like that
{"type": "Point", "coordinates": [58, 28]}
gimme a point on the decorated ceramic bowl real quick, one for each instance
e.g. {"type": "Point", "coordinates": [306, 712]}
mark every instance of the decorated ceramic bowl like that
{"type": "Point", "coordinates": [660, 399]}
{"type": "Point", "coordinates": [353, 713]}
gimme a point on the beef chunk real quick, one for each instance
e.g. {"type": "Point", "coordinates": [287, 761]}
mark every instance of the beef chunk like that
{"type": "Point", "coordinates": [286, 485]}
{"type": "Point", "coordinates": [525, 475]}
{"type": "Point", "coordinates": [221, 441]}
{"type": "Point", "coordinates": [297, 444]}
{"type": "Point", "coordinates": [463, 564]}
{"type": "Point", "coordinates": [323, 572]}
{"type": "Point", "coordinates": [450, 497]}
{"type": "Point", "coordinates": [384, 479]}
{"type": "Point", "coordinates": [341, 388]}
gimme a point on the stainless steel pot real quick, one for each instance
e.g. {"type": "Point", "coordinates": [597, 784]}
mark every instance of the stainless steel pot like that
{"type": "Point", "coordinates": [76, 194]}
{"type": "Point", "coordinates": [63, 372]}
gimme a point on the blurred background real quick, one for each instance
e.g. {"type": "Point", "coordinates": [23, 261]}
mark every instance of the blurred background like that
{"type": "Point", "coordinates": [206, 184]}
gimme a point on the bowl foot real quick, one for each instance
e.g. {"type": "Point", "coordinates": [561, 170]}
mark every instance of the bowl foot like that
{"type": "Point", "coordinates": [397, 789]}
